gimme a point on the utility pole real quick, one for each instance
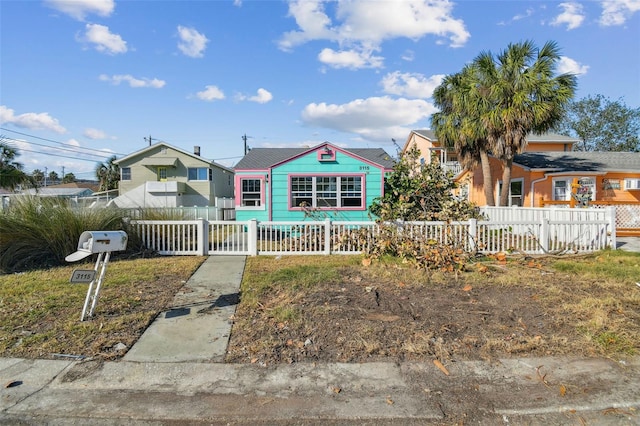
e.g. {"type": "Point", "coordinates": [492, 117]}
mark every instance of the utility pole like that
{"type": "Point", "coordinates": [150, 139]}
{"type": "Point", "coordinates": [45, 177]}
{"type": "Point", "coordinates": [62, 172]}
{"type": "Point", "coordinates": [246, 148]}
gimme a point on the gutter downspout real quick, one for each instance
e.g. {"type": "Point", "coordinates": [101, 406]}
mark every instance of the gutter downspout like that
{"type": "Point", "coordinates": [532, 191]}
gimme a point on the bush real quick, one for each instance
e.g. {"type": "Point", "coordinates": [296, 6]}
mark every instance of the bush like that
{"type": "Point", "coordinates": [38, 232]}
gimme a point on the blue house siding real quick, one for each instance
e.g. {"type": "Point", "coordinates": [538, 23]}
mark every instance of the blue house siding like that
{"type": "Point", "coordinates": [351, 181]}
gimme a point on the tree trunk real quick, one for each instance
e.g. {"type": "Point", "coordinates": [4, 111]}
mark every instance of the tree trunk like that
{"type": "Point", "coordinates": [487, 178]}
{"type": "Point", "coordinates": [506, 181]}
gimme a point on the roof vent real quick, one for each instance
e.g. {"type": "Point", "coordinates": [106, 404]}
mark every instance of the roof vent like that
{"type": "Point", "coordinates": [196, 150]}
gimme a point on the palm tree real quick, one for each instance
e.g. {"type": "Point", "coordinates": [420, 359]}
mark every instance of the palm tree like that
{"type": "Point", "coordinates": [524, 97]}
{"type": "Point", "coordinates": [11, 173]}
{"type": "Point", "coordinates": [458, 124]}
{"type": "Point", "coordinates": [108, 174]}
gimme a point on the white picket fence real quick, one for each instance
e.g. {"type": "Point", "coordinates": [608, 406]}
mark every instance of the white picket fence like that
{"type": "Point", "coordinates": [544, 233]}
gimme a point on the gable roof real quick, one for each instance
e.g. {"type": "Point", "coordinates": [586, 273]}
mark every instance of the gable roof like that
{"type": "Point", "coordinates": [171, 160]}
{"type": "Point", "coordinates": [264, 158]}
{"type": "Point", "coordinates": [580, 161]}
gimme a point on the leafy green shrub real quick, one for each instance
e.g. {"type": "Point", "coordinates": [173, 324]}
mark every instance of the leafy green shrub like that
{"type": "Point", "coordinates": [40, 232]}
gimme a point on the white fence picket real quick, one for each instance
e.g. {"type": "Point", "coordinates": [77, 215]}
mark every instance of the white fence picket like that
{"type": "Point", "coordinates": [538, 232]}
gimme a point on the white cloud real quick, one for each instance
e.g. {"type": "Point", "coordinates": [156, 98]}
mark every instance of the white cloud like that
{"type": "Point", "coordinates": [133, 81]}
{"type": "Point", "coordinates": [104, 40]}
{"type": "Point", "coordinates": [572, 16]}
{"type": "Point", "coordinates": [192, 43]}
{"type": "Point", "coordinates": [262, 96]}
{"type": "Point", "coordinates": [568, 65]}
{"type": "Point", "coordinates": [30, 120]}
{"type": "Point", "coordinates": [211, 93]}
{"type": "Point", "coordinates": [408, 56]}
{"type": "Point", "coordinates": [79, 9]}
{"type": "Point", "coordinates": [94, 134]}
{"type": "Point", "coordinates": [412, 85]}
{"type": "Point", "coordinates": [359, 27]}
{"type": "Point", "coordinates": [352, 59]}
{"type": "Point", "coordinates": [376, 118]}
{"type": "Point", "coordinates": [617, 12]}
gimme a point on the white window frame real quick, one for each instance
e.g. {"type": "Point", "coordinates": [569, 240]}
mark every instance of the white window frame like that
{"type": "Point", "coordinates": [521, 180]}
{"type": "Point", "coordinates": [632, 184]}
{"type": "Point", "coordinates": [254, 202]}
{"type": "Point", "coordinates": [332, 186]}
{"type": "Point", "coordinates": [569, 181]}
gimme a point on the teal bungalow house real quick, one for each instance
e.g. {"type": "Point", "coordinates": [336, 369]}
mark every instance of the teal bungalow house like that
{"type": "Point", "coordinates": [284, 184]}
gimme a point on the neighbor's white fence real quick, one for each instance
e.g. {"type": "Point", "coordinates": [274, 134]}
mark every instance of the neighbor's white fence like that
{"type": "Point", "coordinates": [201, 237]}
{"type": "Point", "coordinates": [583, 227]}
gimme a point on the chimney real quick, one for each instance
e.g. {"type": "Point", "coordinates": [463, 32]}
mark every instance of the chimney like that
{"type": "Point", "coordinates": [196, 150]}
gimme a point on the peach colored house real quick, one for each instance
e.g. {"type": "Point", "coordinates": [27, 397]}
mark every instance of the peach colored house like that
{"type": "Point", "coordinates": [546, 173]}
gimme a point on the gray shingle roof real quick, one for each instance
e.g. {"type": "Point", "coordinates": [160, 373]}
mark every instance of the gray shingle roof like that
{"type": "Point", "coordinates": [580, 161]}
{"type": "Point", "coordinates": [264, 158]}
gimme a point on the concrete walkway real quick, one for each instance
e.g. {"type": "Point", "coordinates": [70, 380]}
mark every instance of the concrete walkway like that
{"type": "Point", "coordinates": [174, 375]}
{"type": "Point", "coordinates": [628, 243]}
{"type": "Point", "coordinates": [198, 325]}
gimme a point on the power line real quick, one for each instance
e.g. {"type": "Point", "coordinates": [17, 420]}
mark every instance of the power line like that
{"type": "Point", "coordinates": [54, 141]}
{"type": "Point", "coordinates": [59, 155]}
{"type": "Point", "coordinates": [104, 154]}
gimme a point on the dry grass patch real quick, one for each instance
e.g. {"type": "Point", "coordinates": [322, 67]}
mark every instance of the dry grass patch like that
{"type": "Point", "coordinates": [334, 308]}
{"type": "Point", "coordinates": [40, 310]}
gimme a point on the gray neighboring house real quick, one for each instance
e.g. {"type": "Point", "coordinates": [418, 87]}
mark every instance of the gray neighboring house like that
{"type": "Point", "coordinates": [162, 175]}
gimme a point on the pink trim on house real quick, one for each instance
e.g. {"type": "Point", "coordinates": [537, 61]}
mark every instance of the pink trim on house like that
{"type": "Point", "coordinates": [326, 154]}
{"type": "Point", "coordinates": [362, 181]}
{"type": "Point", "coordinates": [238, 187]}
{"type": "Point", "coordinates": [334, 149]}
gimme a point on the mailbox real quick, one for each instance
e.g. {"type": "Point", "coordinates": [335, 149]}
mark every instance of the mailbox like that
{"type": "Point", "coordinates": [92, 242]}
{"type": "Point", "coordinates": [102, 243]}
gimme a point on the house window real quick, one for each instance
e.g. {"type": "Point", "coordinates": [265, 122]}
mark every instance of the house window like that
{"type": "Point", "coordinates": [200, 173]}
{"type": "Point", "coordinates": [302, 191]}
{"type": "Point", "coordinates": [351, 191]}
{"type": "Point", "coordinates": [125, 173]}
{"type": "Point", "coordinates": [162, 174]}
{"type": "Point", "coordinates": [562, 188]}
{"type": "Point", "coordinates": [327, 191]}
{"type": "Point", "coordinates": [251, 192]}
{"type": "Point", "coordinates": [515, 192]}
{"type": "Point", "coordinates": [631, 184]}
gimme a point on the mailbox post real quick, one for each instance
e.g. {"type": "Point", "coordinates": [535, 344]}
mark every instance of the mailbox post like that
{"type": "Point", "coordinates": [102, 243]}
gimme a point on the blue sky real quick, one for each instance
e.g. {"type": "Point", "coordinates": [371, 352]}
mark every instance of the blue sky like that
{"type": "Point", "coordinates": [83, 80]}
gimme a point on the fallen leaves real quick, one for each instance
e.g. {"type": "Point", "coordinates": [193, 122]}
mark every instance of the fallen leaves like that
{"type": "Point", "coordinates": [562, 390]}
{"type": "Point", "coordinates": [441, 367]}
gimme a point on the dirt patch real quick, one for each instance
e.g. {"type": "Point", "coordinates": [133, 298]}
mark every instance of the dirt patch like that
{"type": "Point", "coordinates": [377, 314]}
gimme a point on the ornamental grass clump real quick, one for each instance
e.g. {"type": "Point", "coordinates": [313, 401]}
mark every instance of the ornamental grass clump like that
{"type": "Point", "coordinates": [37, 232]}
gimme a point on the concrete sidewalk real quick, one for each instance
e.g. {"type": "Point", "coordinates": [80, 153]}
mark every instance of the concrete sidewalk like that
{"type": "Point", "coordinates": [545, 391]}
{"type": "Point", "coordinates": [174, 375]}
